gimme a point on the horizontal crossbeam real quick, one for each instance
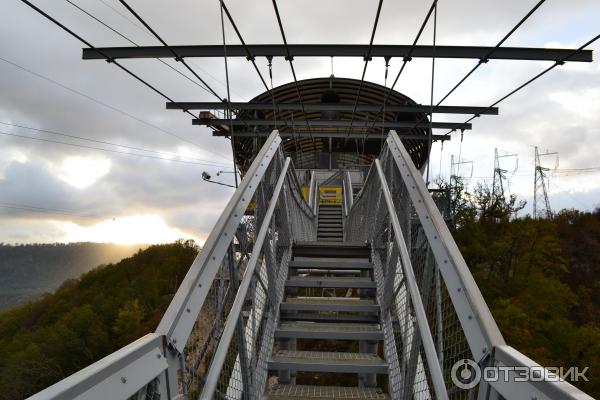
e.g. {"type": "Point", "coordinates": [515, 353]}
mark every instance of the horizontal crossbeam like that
{"type": "Point", "coordinates": [331, 123]}
{"type": "Point", "coordinates": [340, 50]}
{"type": "Point", "coordinates": [333, 135]}
{"type": "Point", "coordinates": [344, 107]}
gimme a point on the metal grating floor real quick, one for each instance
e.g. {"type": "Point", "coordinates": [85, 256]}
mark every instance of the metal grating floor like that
{"type": "Point", "coordinates": [342, 301]}
{"type": "Point", "coordinates": [298, 392]}
{"type": "Point", "coordinates": [329, 327]}
{"type": "Point", "coordinates": [329, 357]}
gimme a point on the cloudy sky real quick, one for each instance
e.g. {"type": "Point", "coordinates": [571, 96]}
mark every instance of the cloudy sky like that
{"type": "Point", "coordinates": [56, 192]}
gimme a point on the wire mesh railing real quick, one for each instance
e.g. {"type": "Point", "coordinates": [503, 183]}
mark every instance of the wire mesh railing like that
{"type": "Point", "coordinates": [432, 313]}
{"type": "Point", "coordinates": [235, 367]}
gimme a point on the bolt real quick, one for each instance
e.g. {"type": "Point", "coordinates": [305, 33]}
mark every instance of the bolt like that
{"type": "Point", "coordinates": [123, 379]}
{"type": "Point", "coordinates": [158, 356]}
{"type": "Point", "coordinates": [187, 309]}
{"type": "Point", "coordinates": [470, 317]}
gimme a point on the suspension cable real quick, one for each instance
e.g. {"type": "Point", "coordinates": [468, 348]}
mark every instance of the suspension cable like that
{"type": "Point", "coordinates": [484, 59]}
{"type": "Point", "coordinates": [229, 113]}
{"type": "Point", "coordinates": [367, 58]}
{"type": "Point", "coordinates": [405, 60]}
{"type": "Point", "coordinates": [528, 82]}
{"type": "Point", "coordinates": [134, 43]}
{"type": "Point", "coordinates": [290, 59]}
{"type": "Point", "coordinates": [385, 77]}
{"type": "Point", "coordinates": [430, 135]}
{"type": "Point", "coordinates": [175, 55]}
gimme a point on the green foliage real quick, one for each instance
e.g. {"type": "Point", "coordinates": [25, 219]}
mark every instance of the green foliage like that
{"type": "Point", "coordinates": [540, 278]}
{"type": "Point", "coordinates": [86, 319]}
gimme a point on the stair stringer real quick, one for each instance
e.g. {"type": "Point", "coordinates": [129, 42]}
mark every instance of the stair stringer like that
{"type": "Point", "coordinates": [262, 370]}
{"type": "Point", "coordinates": [389, 343]}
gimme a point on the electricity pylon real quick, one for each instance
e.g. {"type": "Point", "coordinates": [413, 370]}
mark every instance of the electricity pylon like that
{"type": "Point", "coordinates": [500, 174]}
{"type": "Point", "coordinates": [541, 204]}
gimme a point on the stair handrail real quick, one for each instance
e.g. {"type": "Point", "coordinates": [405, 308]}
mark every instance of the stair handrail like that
{"type": "Point", "coordinates": [466, 313]}
{"type": "Point", "coordinates": [214, 372]}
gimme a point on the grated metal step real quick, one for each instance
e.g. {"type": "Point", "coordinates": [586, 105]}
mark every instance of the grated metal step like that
{"type": "Point", "coordinates": [329, 330]}
{"type": "Point", "coordinates": [310, 392]}
{"type": "Point", "coordinates": [331, 264]}
{"type": "Point", "coordinates": [331, 282]}
{"type": "Point", "coordinates": [321, 361]}
{"type": "Point", "coordinates": [338, 304]}
{"type": "Point", "coordinates": [327, 316]}
{"type": "Point", "coordinates": [341, 249]}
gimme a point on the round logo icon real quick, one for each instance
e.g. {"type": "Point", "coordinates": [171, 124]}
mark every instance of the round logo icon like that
{"type": "Point", "coordinates": [466, 374]}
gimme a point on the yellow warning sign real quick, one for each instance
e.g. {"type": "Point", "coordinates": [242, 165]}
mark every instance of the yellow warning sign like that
{"type": "Point", "coordinates": [330, 195]}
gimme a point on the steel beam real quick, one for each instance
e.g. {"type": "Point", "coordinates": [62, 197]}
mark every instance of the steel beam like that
{"type": "Point", "coordinates": [343, 107]}
{"type": "Point", "coordinates": [333, 135]}
{"type": "Point", "coordinates": [340, 50]}
{"type": "Point", "coordinates": [331, 123]}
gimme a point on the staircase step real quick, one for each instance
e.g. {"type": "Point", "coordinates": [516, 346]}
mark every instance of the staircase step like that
{"type": "Point", "coordinates": [331, 264]}
{"type": "Point", "coordinates": [329, 330]}
{"type": "Point", "coordinates": [328, 317]}
{"type": "Point", "coordinates": [331, 282]}
{"type": "Point", "coordinates": [320, 249]}
{"type": "Point", "coordinates": [310, 392]}
{"type": "Point", "coordinates": [321, 361]}
{"type": "Point", "coordinates": [338, 304]}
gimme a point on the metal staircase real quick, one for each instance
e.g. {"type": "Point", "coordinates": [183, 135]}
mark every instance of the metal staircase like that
{"type": "Point", "coordinates": [356, 297]}
{"type": "Point", "coordinates": [328, 335]}
{"type": "Point", "coordinates": [330, 224]}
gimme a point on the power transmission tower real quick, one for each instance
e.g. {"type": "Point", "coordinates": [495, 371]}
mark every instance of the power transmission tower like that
{"type": "Point", "coordinates": [455, 168]}
{"type": "Point", "coordinates": [541, 204]}
{"type": "Point", "coordinates": [500, 174]}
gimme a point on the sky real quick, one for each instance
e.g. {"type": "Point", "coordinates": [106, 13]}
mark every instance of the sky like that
{"type": "Point", "coordinates": [56, 192]}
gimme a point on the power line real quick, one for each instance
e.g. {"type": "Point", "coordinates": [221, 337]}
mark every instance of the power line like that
{"type": "Point", "coordinates": [108, 150]}
{"type": "Point", "coordinates": [44, 210]}
{"type": "Point", "coordinates": [129, 72]}
{"type": "Point", "coordinates": [103, 104]}
{"type": "Point", "coordinates": [168, 154]}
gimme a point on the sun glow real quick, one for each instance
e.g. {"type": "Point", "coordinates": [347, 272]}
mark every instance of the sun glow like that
{"type": "Point", "coordinates": [82, 172]}
{"type": "Point", "coordinates": [136, 229]}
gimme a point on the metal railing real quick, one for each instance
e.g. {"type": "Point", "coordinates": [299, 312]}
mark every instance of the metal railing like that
{"type": "Point", "coordinates": [433, 314]}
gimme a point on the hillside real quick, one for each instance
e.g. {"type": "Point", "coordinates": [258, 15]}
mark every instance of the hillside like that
{"type": "Point", "coordinates": [85, 319]}
{"type": "Point", "coordinates": [29, 270]}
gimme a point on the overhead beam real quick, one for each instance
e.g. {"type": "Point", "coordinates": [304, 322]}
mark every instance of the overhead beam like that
{"type": "Point", "coordinates": [333, 135]}
{"type": "Point", "coordinates": [340, 50]}
{"type": "Point", "coordinates": [344, 107]}
{"type": "Point", "coordinates": [331, 123]}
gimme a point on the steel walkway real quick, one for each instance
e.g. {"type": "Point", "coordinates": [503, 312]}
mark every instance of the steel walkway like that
{"type": "Point", "coordinates": [342, 296]}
